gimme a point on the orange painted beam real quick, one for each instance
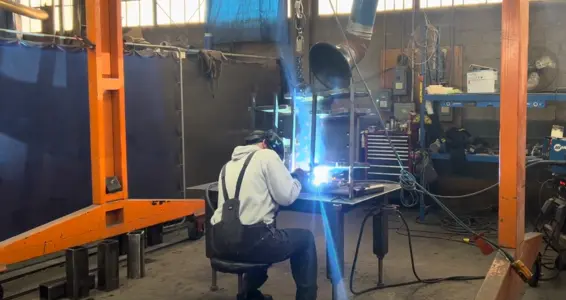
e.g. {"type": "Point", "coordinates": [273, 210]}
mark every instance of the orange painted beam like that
{"type": "Point", "coordinates": [513, 121]}
{"type": "Point", "coordinates": [94, 223]}
{"type": "Point", "coordinates": [106, 99]}
{"type": "Point", "coordinates": [111, 213]}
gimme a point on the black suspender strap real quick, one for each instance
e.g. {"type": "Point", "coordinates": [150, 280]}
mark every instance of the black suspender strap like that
{"type": "Point", "coordinates": [223, 178]}
{"type": "Point", "coordinates": [240, 178]}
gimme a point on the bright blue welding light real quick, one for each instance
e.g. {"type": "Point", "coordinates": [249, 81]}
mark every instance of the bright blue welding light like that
{"type": "Point", "coordinates": [303, 116]}
{"type": "Point", "coordinates": [332, 254]}
{"type": "Point", "coordinates": [321, 175]}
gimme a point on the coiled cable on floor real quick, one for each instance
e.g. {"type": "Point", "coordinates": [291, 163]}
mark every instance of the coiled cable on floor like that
{"type": "Point", "coordinates": [418, 278]}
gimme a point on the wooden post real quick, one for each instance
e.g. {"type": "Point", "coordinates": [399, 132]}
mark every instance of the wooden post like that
{"type": "Point", "coordinates": [513, 121]}
{"type": "Point", "coordinates": [502, 283]}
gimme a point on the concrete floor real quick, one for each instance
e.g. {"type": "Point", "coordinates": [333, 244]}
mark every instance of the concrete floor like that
{"type": "Point", "coordinates": [183, 273]}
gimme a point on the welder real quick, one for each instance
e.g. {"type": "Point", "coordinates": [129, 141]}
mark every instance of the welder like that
{"type": "Point", "coordinates": [251, 187]}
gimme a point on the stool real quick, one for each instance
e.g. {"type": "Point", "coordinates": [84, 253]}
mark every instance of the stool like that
{"type": "Point", "coordinates": [231, 267]}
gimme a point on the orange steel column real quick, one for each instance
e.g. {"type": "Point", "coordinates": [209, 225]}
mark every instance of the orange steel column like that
{"type": "Point", "coordinates": [106, 101]}
{"type": "Point", "coordinates": [111, 213]}
{"type": "Point", "coordinates": [513, 121]}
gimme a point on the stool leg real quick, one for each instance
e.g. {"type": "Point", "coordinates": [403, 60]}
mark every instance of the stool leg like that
{"type": "Point", "coordinates": [241, 285]}
{"type": "Point", "coordinates": [213, 284]}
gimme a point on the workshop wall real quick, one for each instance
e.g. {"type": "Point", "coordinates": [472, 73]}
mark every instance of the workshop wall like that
{"type": "Point", "coordinates": [44, 133]}
{"type": "Point", "coordinates": [217, 116]}
{"type": "Point", "coordinates": [478, 31]}
{"type": "Point", "coordinates": [44, 130]}
{"type": "Point", "coordinates": [216, 113]}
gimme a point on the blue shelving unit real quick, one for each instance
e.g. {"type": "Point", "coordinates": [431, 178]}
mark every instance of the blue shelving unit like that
{"type": "Point", "coordinates": [538, 100]}
{"type": "Point", "coordinates": [469, 157]}
{"type": "Point", "coordinates": [485, 158]}
{"type": "Point", "coordinates": [534, 100]}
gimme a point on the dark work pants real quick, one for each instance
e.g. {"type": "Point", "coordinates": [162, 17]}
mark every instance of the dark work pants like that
{"type": "Point", "coordinates": [270, 245]}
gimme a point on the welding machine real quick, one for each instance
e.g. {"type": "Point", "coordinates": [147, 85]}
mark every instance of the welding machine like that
{"type": "Point", "coordinates": [555, 149]}
{"type": "Point", "coordinates": [552, 218]}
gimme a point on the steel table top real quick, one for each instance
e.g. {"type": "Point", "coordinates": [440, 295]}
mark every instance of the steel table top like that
{"type": "Point", "coordinates": [325, 197]}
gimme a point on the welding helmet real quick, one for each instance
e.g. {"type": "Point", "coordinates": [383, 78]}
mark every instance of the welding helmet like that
{"type": "Point", "coordinates": [270, 138]}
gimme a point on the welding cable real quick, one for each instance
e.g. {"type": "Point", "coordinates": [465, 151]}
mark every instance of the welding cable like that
{"type": "Point", "coordinates": [408, 181]}
{"type": "Point", "coordinates": [462, 224]}
{"type": "Point", "coordinates": [529, 164]}
{"type": "Point", "coordinates": [207, 195]}
{"type": "Point", "coordinates": [408, 204]}
{"type": "Point", "coordinates": [446, 234]}
{"type": "Point", "coordinates": [409, 238]}
{"type": "Point", "coordinates": [550, 264]}
{"type": "Point", "coordinates": [542, 186]}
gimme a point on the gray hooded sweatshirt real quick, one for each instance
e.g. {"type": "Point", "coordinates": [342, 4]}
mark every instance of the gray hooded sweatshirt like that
{"type": "Point", "coordinates": [266, 185]}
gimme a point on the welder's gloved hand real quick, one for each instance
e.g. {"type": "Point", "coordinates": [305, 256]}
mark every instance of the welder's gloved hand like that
{"type": "Point", "coordinates": [299, 174]}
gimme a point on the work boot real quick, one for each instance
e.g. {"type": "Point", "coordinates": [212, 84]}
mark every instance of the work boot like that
{"type": "Point", "coordinates": [255, 295]}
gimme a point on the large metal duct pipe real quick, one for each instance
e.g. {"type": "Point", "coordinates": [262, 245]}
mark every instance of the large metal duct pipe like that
{"type": "Point", "coordinates": [23, 10]}
{"type": "Point", "coordinates": [332, 64]}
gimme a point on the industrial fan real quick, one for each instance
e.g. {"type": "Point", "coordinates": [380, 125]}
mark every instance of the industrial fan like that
{"type": "Point", "coordinates": [543, 69]}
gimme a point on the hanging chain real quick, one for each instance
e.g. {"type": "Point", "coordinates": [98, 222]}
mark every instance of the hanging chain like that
{"type": "Point", "coordinates": [300, 40]}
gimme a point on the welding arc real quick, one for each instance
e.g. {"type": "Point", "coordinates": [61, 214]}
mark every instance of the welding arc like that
{"type": "Point", "coordinates": [419, 279]}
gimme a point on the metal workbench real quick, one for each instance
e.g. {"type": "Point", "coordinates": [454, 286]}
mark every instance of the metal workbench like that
{"type": "Point", "coordinates": [329, 206]}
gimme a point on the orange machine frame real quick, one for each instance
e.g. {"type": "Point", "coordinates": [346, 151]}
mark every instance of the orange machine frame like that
{"type": "Point", "coordinates": [111, 213]}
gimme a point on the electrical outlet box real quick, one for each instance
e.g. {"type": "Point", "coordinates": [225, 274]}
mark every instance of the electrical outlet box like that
{"type": "Point", "coordinates": [401, 81]}
{"type": "Point", "coordinates": [445, 114]}
{"type": "Point", "coordinates": [401, 111]}
{"type": "Point", "coordinates": [383, 99]}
